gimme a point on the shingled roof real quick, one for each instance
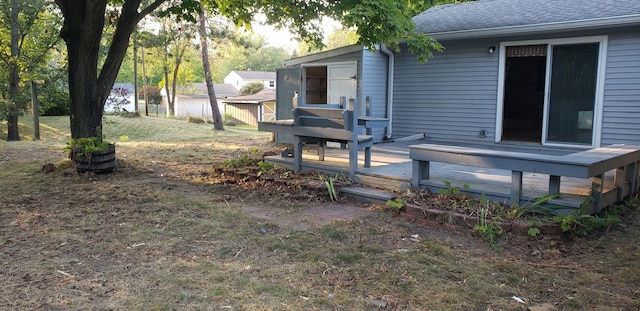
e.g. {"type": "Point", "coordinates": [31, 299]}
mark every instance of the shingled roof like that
{"type": "Point", "coordinates": [519, 15]}
{"type": "Point", "coordinates": [256, 75]}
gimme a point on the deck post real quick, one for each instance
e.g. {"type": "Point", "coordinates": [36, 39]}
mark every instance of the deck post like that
{"type": "Point", "coordinates": [419, 171]}
{"type": "Point", "coordinates": [322, 144]}
{"type": "Point", "coordinates": [297, 153]}
{"type": "Point", "coordinates": [554, 184]}
{"type": "Point", "coordinates": [597, 189]}
{"type": "Point", "coordinates": [516, 187]}
{"type": "Point", "coordinates": [631, 175]}
{"type": "Point", "coordinates": [368, 130]}
{"type": "Point", "coordinates": [367, 157]}
{"type": "Point", "coordinates": [353, 144]}
{"type": "Point", "coordinates": [619, 181]}
{"type": "Point", "coordinates": [353, 158]}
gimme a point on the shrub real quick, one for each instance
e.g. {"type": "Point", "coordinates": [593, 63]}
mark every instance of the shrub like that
{"type": "Point", "coordinates": [251, 88]}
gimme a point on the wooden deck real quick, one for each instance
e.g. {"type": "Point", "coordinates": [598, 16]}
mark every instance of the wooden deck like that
{"type": "Point", "coordinates": [391, 168]}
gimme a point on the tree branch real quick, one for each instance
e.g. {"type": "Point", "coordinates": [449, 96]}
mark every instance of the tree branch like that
{"type": "Point", "coordinates": [152, 7]}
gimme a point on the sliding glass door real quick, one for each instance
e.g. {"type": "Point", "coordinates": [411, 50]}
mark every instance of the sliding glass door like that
{"type": "Point", "coordinates": [549, 91]}
{"type": "Point", "coordinates": [572, 93]}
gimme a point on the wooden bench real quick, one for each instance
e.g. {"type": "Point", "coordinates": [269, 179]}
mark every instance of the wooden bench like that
{"type": "Point", "coordinates": [322, 125]}
{"type": "Point", "coordinates": [593, 163]}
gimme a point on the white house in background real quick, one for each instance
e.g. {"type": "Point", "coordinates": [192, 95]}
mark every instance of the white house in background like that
{"type": "Point", "coordinates": [122, 98]}
{"type": "Point", "coordinates": [192, 100]}
{"type": "Point", "coordinates": [241, 78]}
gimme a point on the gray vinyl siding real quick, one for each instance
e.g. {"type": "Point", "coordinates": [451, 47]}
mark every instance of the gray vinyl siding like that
{"type": "Point", "coordinates": [374, 85]}
{"type": "Point", "coordinates": [621, 109]}
{"type": "Point", "coordinates": [451, 98]}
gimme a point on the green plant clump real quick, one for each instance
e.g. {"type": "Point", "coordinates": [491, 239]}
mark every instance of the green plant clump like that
{"type": "Point", "coordinates": [489, 229]}
{"type": "Point", "coordinates": [248, 159]}
{"type": "Point", "coordinates": [333, 195]}
{"type": "Point", "coordinates": [195, 120]}
{"type": "Point", "coordinates": [397, 204]}
{"type": "Point", "coordinates": [84, 147]}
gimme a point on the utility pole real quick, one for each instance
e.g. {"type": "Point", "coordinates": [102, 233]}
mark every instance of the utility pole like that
{"type": "Point", "coordinates": [36, 112]}
{"type": "Point", "coordinates": [144, 81]}
{"type": "Point", "coordinates": [135, 72]}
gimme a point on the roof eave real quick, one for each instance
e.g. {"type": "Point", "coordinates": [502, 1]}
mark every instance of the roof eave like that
{"type": "Point", "coordinates": [619, 21]}
{"type": "Point", "coordinates": [232, 101]}
{"type": "Point", "coordinates": [322, 55]}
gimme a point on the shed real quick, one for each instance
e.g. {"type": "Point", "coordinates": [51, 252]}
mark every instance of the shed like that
{"type": "Point", "coordinates": [251, 109]}
{"type": "Point", "coordinates": [193, 99]}
{"type": "Point", "coordinates": [563, 73]}
{"type": "Point", "coordinates": [322, 78]}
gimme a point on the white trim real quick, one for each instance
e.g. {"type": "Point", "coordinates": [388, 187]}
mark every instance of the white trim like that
{"type": "Point", "coordinates": [323, 55]}
{"type": "Point", "coordinates": [303, 75]}
{"type": "Point", "coordinates": [600, 83]}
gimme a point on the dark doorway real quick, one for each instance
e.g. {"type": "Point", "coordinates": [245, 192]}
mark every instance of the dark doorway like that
{"type": "Point", "coordinates": [523, 109]}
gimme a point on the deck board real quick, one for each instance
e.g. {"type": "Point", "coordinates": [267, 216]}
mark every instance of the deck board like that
{"type": "Point", "coordinates": [391, 163]}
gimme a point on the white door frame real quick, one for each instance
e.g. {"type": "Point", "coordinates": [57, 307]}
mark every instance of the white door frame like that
{"type": "Point", "coordinates": [303, 85]}
{"type": "Point", "coordinates": [599, 96]}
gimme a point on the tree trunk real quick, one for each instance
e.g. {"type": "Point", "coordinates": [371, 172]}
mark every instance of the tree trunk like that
{"type": "Point", "coordinates": [13, 108]}
{"type": "Point", "coordinates": [170, 112]}
{"type": "Point", "coordinates": [82, 31]}
{"type": "Point", "coordinates": [217, 118]}
{"type": "Point", "coordinates": [12, 129]}
{"type": "Point", "coordinates": [174, 84]}
{"type": "Point", "coordinates": [135, 74]}
{"type": "Point", "coordinates": [176, 69]}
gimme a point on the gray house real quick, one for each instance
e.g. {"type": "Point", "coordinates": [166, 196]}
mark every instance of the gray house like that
{"type": "Point", "coordinates": [523, 86]}
{"type": "Point", "coordinates": [563, 73]}
{"type": "Point", "coordinates": [321, 79]}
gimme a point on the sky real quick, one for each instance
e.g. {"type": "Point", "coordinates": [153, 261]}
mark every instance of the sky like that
{"type": "Point", "coordinates": [282, 37]}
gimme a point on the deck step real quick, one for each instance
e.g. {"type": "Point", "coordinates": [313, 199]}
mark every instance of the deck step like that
{"type": "Point", "coordinates": [388, 182]}
{"type": "Point", "coordinates": [367, 195]}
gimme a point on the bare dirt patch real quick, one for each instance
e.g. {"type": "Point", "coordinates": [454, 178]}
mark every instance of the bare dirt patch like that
{"type": "Point", "coordinates": [308, 217]}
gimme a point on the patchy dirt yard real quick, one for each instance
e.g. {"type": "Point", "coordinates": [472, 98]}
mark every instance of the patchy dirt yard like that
{"type": "Point", "coordinates": [167, 231]}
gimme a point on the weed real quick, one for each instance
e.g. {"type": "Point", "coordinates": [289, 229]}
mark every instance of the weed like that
{"type": "Point", "coordinates": [333, 195]}
{"type": "Point", "coordinates": [228, 120]}
{"type": "Point", "coordinates": [333, 233]}
{"type": "Point", "coordinates": [450, 189]}
{"type": "Point", "coordinates": [533, 231]}
{"type": "Point", "coordinates": [348, 258]}
{"type": "Point", "coordinates": [195, 120]}
{"type": "Point", "coordinates": [248, 159]}
{"type": "Point", "coordinates": [581, 224]}
{"type": "Point", "coordinates": [537, 206]}
{"type": "Point", "coordinates": [397, 204]}
{"type": "Point", "coordinates": [265, 167]}
{"type": "Point", "coordinates": [489, 229]}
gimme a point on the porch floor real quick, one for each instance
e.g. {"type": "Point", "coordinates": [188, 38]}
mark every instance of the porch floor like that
{"type": "Point", "coordinates": [391, 169]}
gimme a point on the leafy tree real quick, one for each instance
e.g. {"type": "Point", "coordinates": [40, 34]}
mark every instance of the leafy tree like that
{"type": "Point", "coordinates": [376, 21]}
{"type": "Point", "coordinates": [340, 37]}
{"type": "Point", "coordinates": [176, 39]}
{"type": "Point", "coordinates": [26, 38]}
{"type": "Point", "coordinates": [239, 50]}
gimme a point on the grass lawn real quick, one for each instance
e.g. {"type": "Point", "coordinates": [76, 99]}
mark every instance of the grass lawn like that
{"type": "Point", "coordinates": [164, 232]}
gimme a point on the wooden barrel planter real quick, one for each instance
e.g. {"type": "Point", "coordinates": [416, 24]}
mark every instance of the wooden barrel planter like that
{"type": "Point", "coordinates": [96, 162]}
